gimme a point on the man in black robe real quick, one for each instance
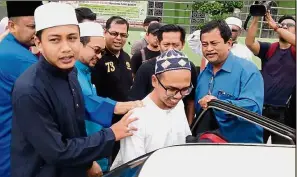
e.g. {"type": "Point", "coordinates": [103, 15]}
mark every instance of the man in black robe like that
{"type": "Point", "coordinates": [48, 131]}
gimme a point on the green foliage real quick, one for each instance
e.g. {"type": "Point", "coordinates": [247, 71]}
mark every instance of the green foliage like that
{"type": "Point", "coordinates": [3, 3]}
{"type": "Point", "coordinates": [216, 10]}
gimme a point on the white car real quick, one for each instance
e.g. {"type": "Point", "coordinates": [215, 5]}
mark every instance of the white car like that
{"type": "Point", "coordinates": [219, 160]}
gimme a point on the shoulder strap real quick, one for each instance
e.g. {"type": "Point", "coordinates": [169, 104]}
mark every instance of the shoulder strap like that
{"type": "Point", "coordinates": [143, 55]}
{"type": "Point", "coordinates": [271, 50]}
{"type": "Point", "coordinates": [293, 51]}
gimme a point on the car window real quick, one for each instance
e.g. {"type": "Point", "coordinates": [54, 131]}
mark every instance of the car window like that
{"type": "Point", "coordinates": [130, 169]}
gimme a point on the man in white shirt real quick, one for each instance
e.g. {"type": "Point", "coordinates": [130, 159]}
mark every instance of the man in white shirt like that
{"type": "Point", "coordinates": [237, 49]}
{"type": "Point", "coordinates": [162, 121]}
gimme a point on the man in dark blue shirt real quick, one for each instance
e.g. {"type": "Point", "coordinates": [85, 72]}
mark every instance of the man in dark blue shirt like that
{"type": "Point", "coordinates": [231, 79]}
{"type": "Point", "coordinates": [278, 70]}
{"type": "Point", "coordinates": [48, 130]}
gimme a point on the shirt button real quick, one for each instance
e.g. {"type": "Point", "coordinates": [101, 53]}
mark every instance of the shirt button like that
{"type": "Point", "coordinates": [77, 106]}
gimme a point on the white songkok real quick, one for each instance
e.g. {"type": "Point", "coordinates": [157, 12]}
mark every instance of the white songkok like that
{"type": "Point", "coordinates": [91, 29]}
{"type": "Point", "coordinates": [234, 21]}
{"type": "Point", "coordinates": [54, 14]}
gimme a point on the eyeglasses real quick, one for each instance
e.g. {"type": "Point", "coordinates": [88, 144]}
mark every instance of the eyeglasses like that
{"type": "Point", "coordinates": [116, 34]}
{"type": "Point", "coordinates": [288, 25]}
{"type": "Point", "coordinates": [234, 30]}
{"type": "Point", "coordinates": [171, 92]}
{"type": "Point", "coordinates": [98, 50]}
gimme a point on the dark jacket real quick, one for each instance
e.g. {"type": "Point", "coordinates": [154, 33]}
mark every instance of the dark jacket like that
{"type": "Point", "coordinates": [48, 129]}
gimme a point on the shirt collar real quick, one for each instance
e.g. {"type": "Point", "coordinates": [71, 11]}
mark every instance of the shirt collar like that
{"type": "Point", "coordinates": [108, 53]}
{"type": "Point", "coordinates": [11, 37]}
{"type": "Point", "coordinates": [63, 73]}
{"type": "Point", "coordinates": [82, 67]}
{"type": "Point", "coordinates": [227, 66]}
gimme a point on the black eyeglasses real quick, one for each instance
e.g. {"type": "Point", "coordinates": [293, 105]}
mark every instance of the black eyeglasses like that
{"type": "Point", "coordinates": [116, 34]}
{"type": "Point", "coordinates": [98, 50]}
{"type": "Point", "coordinates": [234, 30]}
{"type": "Point", "coordinates": [171, 92]}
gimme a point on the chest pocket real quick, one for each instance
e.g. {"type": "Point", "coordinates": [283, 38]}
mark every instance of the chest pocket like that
{"type": "Point", "coordinates": [222, 95]}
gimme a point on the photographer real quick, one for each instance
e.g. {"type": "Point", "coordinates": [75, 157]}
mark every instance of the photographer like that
{"type": "Point", "coordinates": [278, 67]}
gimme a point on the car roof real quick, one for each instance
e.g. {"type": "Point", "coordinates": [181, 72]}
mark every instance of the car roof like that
{"type": "Point", "coordinates": [214, 160]}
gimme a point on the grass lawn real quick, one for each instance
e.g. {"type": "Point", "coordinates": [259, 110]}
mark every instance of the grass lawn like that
{"type": "Point", "coordinates": [135, 35]}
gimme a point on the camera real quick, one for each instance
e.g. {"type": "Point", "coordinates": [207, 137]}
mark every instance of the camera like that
{"type": "Point", "coordinates": [259, 8]}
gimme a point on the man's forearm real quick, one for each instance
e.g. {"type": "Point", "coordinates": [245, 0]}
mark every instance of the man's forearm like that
{"type": "Point", "coordinates": [287, 36]}
{"type": "Point", "coordinates": [252, 32]}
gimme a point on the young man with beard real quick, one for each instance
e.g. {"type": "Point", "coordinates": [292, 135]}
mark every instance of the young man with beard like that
{"type": "Point", "coordinates": [169, 37]}
{"type": "Point", "coordinates": [48, 130]}
{"type": "Point", "coordinates": [152, 50]}
{"type": "Point", "coordinates": [15, 58]}
{"type": "Point", "coordinates": [162, 121]}
{"type": "Point", "coordinates": [99, 111]}
{"type": "Point", "coordinates": [231, 79]}
{"type": "Point", "coordinates": [278, 67]}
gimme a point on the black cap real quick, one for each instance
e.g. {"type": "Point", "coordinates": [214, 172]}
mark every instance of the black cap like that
{"type": "Point", "coordinates": [153, 28]}
{"type": "Point", "coordinates": [21, 8]}
{"type": "Point", "coordinates": [83, 13]}
{"type": "Point", "coordinates": [148, 20]}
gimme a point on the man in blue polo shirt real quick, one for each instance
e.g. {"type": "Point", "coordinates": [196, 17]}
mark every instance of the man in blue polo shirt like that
{"type": "Point", "coordinates": [231, 79]}
{"type": "Point", "coordinates": [99, 110]}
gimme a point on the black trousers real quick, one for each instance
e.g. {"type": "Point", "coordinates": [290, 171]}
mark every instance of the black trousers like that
{"type": "Point", "coordinates": [277, 114]}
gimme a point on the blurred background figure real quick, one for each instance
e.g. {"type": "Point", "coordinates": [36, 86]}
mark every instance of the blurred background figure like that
{"type": "Point", "coordinates": [3, 28]}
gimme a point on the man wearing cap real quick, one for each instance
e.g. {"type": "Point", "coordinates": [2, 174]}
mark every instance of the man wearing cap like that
{"type": "Point", "coordinates": [169, 37]}
{"type": "Point", "coordinates": [152, 50]}
{"type": "Point", "coordinates": [99, 110]}
{"type": "Point", "coordinates": [48, 129]}
{"type": "Point", "coordinates": [235, 24]}
{"type": "Point", "coordinates": [15, 58]}
{"type": "Point", "coordinates": [142, 43]}
{"type": "Point", "coordinates": [162, 121]}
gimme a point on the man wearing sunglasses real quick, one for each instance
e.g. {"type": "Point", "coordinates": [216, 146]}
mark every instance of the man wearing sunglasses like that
{"type": "Point", "coordinates": [162, 121]}
{"type": "Point", "coordinates": [278, 67]}
{"type": "Point", "coordinates": [99, 110]}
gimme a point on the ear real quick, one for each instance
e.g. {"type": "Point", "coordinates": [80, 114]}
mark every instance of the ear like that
{"type": "Point", "coordinates": [38, 44]}
{"type": "Point", "coordinates": [229, 43]}
{"type": "Point", "coordinates": [11, 25]}
{"type": "Point", "coordinates": [154, 81]}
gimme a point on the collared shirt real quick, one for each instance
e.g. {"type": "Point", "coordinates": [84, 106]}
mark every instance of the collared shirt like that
{"type": "Point", "coordinates": [240, 83]}
{"type": "Point", "coordinates": [99, 110]}
{"type": "Point", "coordinates": [112, 76]}
{"type": "Point", "coordinates": [48, 129]}
{"type": "Point", "coordinates": [157, 128]}
{"type": "Point", "coordinates": [15, 58]}
{"type": "Point", "coordinates": [279, 74]}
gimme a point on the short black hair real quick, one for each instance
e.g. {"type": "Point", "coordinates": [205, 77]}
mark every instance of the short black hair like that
{"type": "Point", "coordinates": [116, 20]}
{"type": "Point", "coordinates": [148, 20]}
{"type": "Point", "coordinates": [286, 17]}
{"type": "Point", "coordinates": [84, 13]}
{"type": "Point", "coordinates": [171, 28]}
{"type": "Point", "coordinates": [38, 34]}
{"type": "Point", "coordinates": [85, 40]}
{"type": "Point", "coordinates": [224, 29]}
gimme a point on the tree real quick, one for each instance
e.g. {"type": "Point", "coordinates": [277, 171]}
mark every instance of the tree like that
{"type": "Point", "coordinates": [216, 10]}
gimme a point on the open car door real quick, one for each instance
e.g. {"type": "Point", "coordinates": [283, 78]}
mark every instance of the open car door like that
{"type": "Point", "coordinates": [207, 117]}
